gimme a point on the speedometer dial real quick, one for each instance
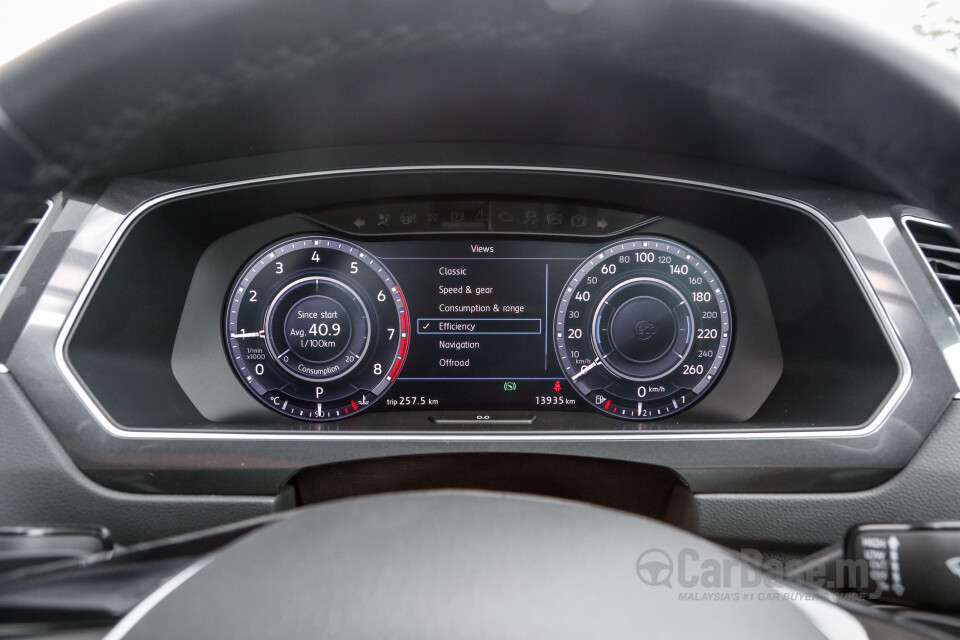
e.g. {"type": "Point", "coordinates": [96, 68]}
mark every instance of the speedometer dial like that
{"type": "Point", "coordinates": [316, 328]}
{"type": "Point", "coordinates": [643, 328]}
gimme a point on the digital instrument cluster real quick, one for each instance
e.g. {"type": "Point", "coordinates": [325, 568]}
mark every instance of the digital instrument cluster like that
{"type": "Point", "coordinates": [319, 328]}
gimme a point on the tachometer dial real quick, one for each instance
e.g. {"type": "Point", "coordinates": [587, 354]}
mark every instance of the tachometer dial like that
{"type": "Point", "coordinates": [643, 328]}
{"type": "Point", "coordinates": [316, 328]}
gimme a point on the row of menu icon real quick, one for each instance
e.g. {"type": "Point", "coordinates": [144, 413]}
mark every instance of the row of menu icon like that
{"type": "Point", "coordinates": [501, 216]}
{"type": "Point", "coordinates": [407, 218]}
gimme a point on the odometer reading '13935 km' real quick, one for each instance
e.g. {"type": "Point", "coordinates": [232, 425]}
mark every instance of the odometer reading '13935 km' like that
{"type": "Point", "coordinates": [316, 327]}
{"type": "Point", "coordinates": [643, 328]}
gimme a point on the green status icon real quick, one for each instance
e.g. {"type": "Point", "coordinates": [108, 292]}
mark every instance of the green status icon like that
{"type": "Point", "coordinates": [509, 386]}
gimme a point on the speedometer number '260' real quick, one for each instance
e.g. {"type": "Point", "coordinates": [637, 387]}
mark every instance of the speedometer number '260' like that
{"type": "Point", "coordinates": [643, 328]}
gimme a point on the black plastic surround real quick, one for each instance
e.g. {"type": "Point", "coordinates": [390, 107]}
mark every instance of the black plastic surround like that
{"type": "Point", "coordinates": [789, 369]}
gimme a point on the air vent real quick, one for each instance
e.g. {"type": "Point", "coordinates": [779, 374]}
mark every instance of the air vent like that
{"type": "Point", "coordinates": [941, 252]}
{"type": "Point", "coordinates": [10, 251]}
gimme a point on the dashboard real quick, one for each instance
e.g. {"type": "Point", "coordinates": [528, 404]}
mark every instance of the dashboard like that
{"type": "Point", "coordinates": [468, 314]}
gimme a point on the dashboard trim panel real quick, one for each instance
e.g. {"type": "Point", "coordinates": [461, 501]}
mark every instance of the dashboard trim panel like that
{"type": "Point", "coordinates": [951, 352]}
{"type": "Point", "coordinates": [891, 402]}
{"type": "Point", "coordinates": [24, 255]}
{"type": "Point", "coordinates": [916, 244]}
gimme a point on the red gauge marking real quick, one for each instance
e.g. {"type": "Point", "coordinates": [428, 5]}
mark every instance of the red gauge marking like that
{"type": "Point", "coordinates": [402, 352]}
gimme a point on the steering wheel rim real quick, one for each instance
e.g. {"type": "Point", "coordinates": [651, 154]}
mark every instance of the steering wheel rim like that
{"type": "Point", "coordinates": [462, 564]}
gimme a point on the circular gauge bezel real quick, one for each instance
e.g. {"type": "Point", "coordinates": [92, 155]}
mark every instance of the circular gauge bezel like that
{"type": "Point", "coordinates": [605, 386]}
{"type": "Point", "coordinates": [338, 263]}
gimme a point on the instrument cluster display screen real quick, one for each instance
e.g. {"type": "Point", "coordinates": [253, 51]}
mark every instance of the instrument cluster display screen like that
{"type": "Point", "coordinates": [320, 328]}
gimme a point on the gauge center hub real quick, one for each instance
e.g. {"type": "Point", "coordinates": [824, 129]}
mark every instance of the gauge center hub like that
{"type": "Point", "coordinates": [642, 329]}
{"type": "Point", "coordinates": [317, 329]}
